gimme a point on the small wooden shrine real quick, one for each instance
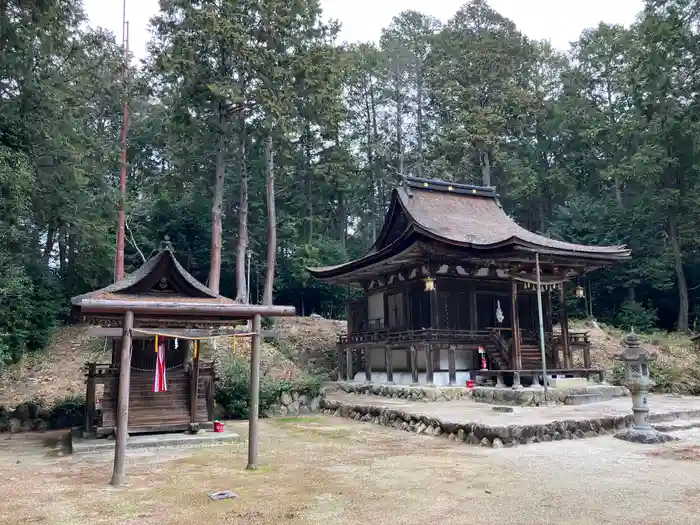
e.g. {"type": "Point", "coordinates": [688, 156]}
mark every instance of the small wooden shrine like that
{"type": "Point", "coordinates": [451, 279]}
{"type": "Point", "coordinates": [160, 302]}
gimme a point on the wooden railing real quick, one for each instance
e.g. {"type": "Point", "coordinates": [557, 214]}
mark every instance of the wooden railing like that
{"type": "Point", "coordinates": [576, 338]}
{"type": "Point", "coordinates": [98, 372]}
{"type": "Point", "coordinates": [426, 334]}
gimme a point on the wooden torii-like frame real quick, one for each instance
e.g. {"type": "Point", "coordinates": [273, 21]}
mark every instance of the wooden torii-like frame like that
{"type": "Point", "coordinates": [162, 294]}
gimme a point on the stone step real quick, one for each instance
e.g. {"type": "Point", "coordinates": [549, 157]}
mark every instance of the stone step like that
{"type": "Point", "coordinates": [583, 399]}
{"type": "Point", "coordinates": [673, 426]}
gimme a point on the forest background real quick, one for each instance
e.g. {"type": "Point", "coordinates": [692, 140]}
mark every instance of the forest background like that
{"type": "Point", "coordinates": [241, 100]}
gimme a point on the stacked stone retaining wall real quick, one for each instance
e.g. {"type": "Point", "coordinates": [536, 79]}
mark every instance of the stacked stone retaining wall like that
{"type": "Point", "coordinates": [476, 433]}
{"type": "Point", "coordinates": [411, 393]}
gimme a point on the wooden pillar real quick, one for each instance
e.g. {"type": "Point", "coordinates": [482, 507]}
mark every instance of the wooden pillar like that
{"type": "Point", "coordinates": [194, 380]}
{"type": "Point", "coordinates": [386, 305]}
{"type": "Point", "coordinates": [434, 313]}
{"type": "Point", "coordinates": [548, 328]}
{"type": "Point", "coordinates": [555, 354]}
{"type": "Point", "coordinates": [452, 365]}
{"type": "Point", "coordinates": [90, 397]}
{"type": "Point", "coordinates": [547, 307]}
{"type": "Point", "coordinates": [564, 320]}
{"type": "Point", "coordinates": [348, 364]}
{"type": "Point", "coordinates": [407, 322]}
{"type": "Point", "coordinates": [389, 362]}
{"type": "Point", "coordinates": [115, 352]}
{"type": "Point", "coordinates": [368, 364]}
{"type": "Point", "coordinates": [434, 325]}
{"type": "Point", "coordinates": [209, 394]}
{"type": "Point", "coordinates": [414, 365]}
{"type": "Point", "coordinates": [586, 357]}
{"type": "Point", "coordinates": [516, 359]}
{"type": "Point", "coordinates": [473, 316]}
{"type": "Point", "coordinates": [123, 402]}
{"type": "Point", "coordinates": [348, 315]}
{"type": "Point", "coordinates": [341, 361]}
{"type": "Point", "coordinates": [254, 395]}
{"type": "Point", "coordinates": [429, 363]}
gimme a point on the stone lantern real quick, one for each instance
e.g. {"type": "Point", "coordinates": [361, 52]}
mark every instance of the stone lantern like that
{"type": "Point", "coordinates": [636, 361]}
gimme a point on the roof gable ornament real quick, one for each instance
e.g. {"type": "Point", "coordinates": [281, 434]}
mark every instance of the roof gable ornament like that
{"type": "Point", "coordinates": [166, 244]}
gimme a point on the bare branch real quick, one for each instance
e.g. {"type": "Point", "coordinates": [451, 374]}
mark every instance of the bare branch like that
{"type": "Point", "coordinates": [132, 241]}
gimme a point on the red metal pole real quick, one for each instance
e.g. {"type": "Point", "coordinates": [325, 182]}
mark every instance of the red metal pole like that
{"type": "Point", "coordinates": [119, 263]}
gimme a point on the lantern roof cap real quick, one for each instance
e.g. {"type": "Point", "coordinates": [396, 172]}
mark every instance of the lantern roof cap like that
{"type": "Point", "coordinates": [634, 351]}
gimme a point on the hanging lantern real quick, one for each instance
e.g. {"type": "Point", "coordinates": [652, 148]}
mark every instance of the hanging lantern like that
{"type": "Point", "coordinates": [579, 292]}
{"type": "Point", "coordinates": [429, 284]}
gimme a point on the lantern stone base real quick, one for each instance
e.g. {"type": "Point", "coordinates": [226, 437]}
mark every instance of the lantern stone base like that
{"type": "Point", "coordinates": [646, 437]}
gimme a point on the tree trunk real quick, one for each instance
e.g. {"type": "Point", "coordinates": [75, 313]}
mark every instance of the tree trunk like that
{"type": "Point", "coordinates": [342, 221]}
{"type": "Point", "coordinates": [419, 126]}
{"type": "Point", "coordinates": [618, 191]}
{"type": "Point", "coordinates": [71, 255]}
{"type": "Point", "coordinates": [242, 246]}
{"type": "Point", "coordinates": [485, 168]}
{"type": "Point", "coordinates": [309, 185]}
{"type": "Point", "coordinates": [399, 124]}
{"type": "Point", "coordinates": [216, 204]}
{"type": "Point", "coordinates": [375, 137]}
{"type": "Point", "coordinates": [48, 247]}
{"type": "Point", "coordinates": [683, 302]}
{"type": "Point", "coordinates": [62, 249]}
{"type": "Point", "coordinates": [271, 223]}
{"type": "Point", "coordinates": [371, 171]}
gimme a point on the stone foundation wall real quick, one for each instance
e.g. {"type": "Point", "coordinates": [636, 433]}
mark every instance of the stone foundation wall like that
{"type": "Point", "coordinates": [30, 417]}
{"type": "Point", "coordinates": [412, 393]}
{"type": "Point", "coordinates": [500, 396]}
{"type": "Point", "coordinates": [475, 433]}
{"type": "Point", "coordinates": [293, 404]}
{"type": "Point", "coordinates": [535, 396]}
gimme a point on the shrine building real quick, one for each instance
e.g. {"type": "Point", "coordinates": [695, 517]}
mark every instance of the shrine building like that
{"type": "Point", "coordinates": [450, 280]}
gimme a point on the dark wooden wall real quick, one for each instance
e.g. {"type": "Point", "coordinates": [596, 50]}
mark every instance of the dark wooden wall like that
{"type": "Point", "coordinates": [408, 305]}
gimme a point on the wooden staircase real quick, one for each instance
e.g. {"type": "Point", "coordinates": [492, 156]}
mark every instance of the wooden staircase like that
{"type": "Point", "coordinates": [498, 352]}
{"type": "Point", "coordinates": [162, 411]}
{"type": "Point", "coordinates": [531, 356]}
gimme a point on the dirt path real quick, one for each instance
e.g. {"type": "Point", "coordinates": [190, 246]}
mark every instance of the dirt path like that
{"type": "Point", "coordinates": [328, 470]}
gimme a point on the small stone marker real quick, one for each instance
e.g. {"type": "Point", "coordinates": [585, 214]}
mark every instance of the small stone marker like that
{"type": "Point", "coordinates": [502, 409]}
{"type": "Point", "coordinates": [636, 362]}
{"type": "Point", "coordinates": [224, 494]}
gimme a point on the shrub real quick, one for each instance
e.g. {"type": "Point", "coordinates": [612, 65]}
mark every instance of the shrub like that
{"type": "Point", "coordinates": [634, 315]}
{"type": "Point", "coordinates": [67, 412]}
{"type": "Point", "coordinates": [233, 389]}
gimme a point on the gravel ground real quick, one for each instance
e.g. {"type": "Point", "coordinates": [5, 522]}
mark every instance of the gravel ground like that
{"type": "Point", "coordinates": [330, 470]}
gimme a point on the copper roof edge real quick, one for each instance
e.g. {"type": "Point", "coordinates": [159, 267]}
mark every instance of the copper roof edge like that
{"type": "Point", "coordinates": [450, 187]}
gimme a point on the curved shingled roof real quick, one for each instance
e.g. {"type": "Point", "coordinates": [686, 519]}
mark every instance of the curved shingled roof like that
{"type": "Point", "coordinates": [125, 288]}
{"type": "Point", "coordinates": [463, 216]}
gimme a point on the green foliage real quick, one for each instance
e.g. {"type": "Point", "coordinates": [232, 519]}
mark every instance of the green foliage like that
{"type": "Point", "coordinates": [667, 376]}
{"type": "Point", "coordinates": [68, 412]}
{"type": "Point", "coordinates": [633, 315]}
{"type": "Point", "coordinates": [596, 146]}
{"type": "Point", "coordinates": [233, 387]}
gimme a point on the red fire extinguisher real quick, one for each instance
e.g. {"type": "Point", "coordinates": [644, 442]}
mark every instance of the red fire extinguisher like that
{"type": "Point", "coordinates": [482, 352]}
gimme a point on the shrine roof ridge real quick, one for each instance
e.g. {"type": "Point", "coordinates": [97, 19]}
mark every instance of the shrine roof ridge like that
{"type": "Point", "coordinates": [467, 221]}
{"type": "Point", "coordinates": [450, 187]}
